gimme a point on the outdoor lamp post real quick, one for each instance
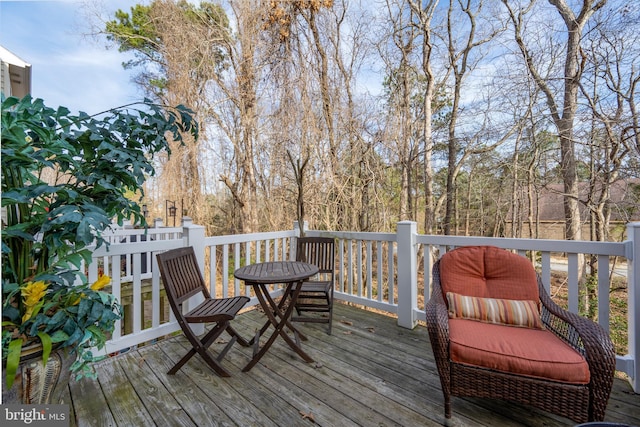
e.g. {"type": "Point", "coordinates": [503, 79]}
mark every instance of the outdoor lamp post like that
{"type": "Point", "coordinates": [170, 207]}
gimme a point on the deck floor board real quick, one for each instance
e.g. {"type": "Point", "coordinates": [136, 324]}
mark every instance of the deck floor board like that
{"type": "Point", "coordinates": [369, 372]}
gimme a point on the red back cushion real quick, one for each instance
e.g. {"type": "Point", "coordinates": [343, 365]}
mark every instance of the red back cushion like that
{"type": "Point", "coordinates": [488, 272]}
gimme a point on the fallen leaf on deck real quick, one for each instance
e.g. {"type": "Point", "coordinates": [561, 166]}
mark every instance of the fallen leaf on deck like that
{"type": "Point", "coordinates": [308, 416]}
{"type": "Point", "coordinates": [347, 332]}
{"type": "Point", "coordinates": [346, 322]}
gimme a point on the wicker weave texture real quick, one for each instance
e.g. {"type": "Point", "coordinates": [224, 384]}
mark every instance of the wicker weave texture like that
{"type": "Point", "coordinates": [579, 403]}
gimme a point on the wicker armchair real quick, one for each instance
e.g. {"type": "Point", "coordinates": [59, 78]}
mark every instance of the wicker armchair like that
{"type": "Point", "coordinates": [466, 369]}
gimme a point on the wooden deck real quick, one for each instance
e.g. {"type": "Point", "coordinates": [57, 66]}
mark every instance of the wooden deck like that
{"type": "Point", "coordinates": [369, 372]}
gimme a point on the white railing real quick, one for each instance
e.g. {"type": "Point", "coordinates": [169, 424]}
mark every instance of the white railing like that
{"type": "Point", "coordinates": [129, 259]}
{"type": "Point", "coordinates": [386, 271]}
{"type": "Point", "coordinates": [239, 250]}
{"type": "Point", "coordinates": [137, 235]}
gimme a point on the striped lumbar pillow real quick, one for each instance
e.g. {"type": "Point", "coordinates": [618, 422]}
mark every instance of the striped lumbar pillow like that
{"type": "Point", "coordinates": [522, 313]}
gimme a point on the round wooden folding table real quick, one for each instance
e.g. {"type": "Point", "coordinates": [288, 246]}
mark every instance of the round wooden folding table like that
{"type": "Point", "coordinates": [260, 276]}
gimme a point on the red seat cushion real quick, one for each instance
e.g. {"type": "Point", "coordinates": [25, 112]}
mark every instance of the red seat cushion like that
{"type": "Point", "coordinates": [531, 352]}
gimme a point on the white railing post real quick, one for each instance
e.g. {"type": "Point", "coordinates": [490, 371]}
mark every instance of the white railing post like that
{"type": "Point", "coordinates": [633, 301]}
{"type": "Point", "coordinates": [407, 274]}
{"type": "Point", "coordinates": [298, 232]}
{"type": "Point", "coordinates": [193, 235]}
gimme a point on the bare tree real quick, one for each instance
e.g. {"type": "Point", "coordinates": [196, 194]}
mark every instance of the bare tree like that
{"type": "Point", "coordinates": [289, 132]}
{"type": "Point", "coordinates": [157, 35]}
{"type": "Point", "coordinates": [609, 82]}
{"type": "Point", "coordinates": [318, 120]}
{"type": "Point", "coordinates": [562, 111]}
{"type": "Point", "coordinates": [464, 38]}
{"type": "Point", "coordinates": [237, 96]}
{"type": "Point", "coordinates": [401, 85]}
{"type": "Point", "coordinates": [424, 12]}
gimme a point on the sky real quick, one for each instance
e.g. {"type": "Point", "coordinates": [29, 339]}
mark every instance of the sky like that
{"type": "Point", "coordinates": [68, 68]}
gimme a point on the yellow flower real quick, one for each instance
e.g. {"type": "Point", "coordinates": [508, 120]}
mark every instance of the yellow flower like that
{"type": "Point", "coordinates": [31, 296]}
{"type": "Point", "coordinates": [97, 285]}
{"type": "Point", "coordinates": [101, 282]}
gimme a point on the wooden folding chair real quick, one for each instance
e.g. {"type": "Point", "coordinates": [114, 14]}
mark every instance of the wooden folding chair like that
{"type": "Point", "coordinates": [182, 280]}
{"type": "Point", "coordinates": [317, 293]}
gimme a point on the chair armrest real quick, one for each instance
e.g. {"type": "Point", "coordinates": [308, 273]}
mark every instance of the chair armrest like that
{"type": "Point", "coordinates": [438, 327]}
{"type": "Point", "coordinates": [588, 338]}
{"type": "Point", "coordinates": [579, 332]}
{"type": "Point", "coordinates": [437, 315]}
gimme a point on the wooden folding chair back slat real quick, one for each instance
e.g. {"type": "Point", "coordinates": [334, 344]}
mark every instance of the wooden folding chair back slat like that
{"type": "Point", "coordinates": [316, 295]}
{"type": "Point", "coordinates": [182, 271]}
{"type": "Point", "coordinates": [182, 280]}
{"type": "Point", "coordinates": [317, 251]}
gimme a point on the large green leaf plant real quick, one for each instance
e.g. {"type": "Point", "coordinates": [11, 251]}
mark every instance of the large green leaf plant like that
{"type": "Point", "coordinates": [65, 180]}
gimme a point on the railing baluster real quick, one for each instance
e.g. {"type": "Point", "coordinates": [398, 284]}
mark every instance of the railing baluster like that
{"type": "Point", "coordinates": [350, 266]}
{"type": "Point", "coordinates": [341, 273]}
{"type": "Point", "coordinates": [603, 291]}
{"type": "Point", "coordinates": [380, 276]}
{"type": "Point", "coordinates": [225, 270]}
{"type": "Point", "coordinates": [359, 267]}
{"type": "Point", "coordinates": [545, 273]}
{"type": "Point", "coordinates": [369, 267]}
{"type": "Point", "coordinates": [391, 272]}
{"type": "Point", "coordinates": [116, 291]}
{"type": "Point", "coordinates": [572, 282]}
{"type": "Point", "coordinates": [137, 294]}
{"type": "Point", "coordinates": [155, 292]}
